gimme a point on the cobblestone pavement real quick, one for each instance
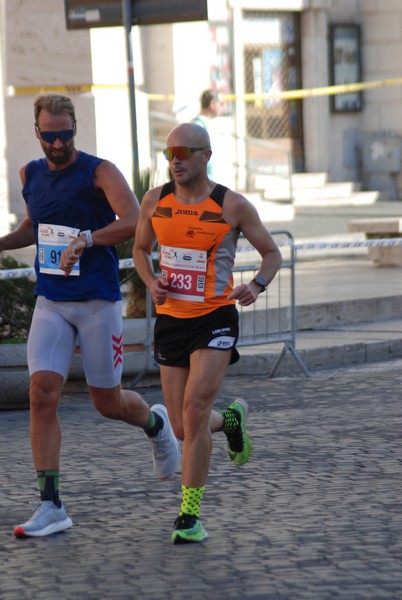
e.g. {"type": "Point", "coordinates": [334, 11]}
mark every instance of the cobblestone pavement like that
{"type": "Point", "coordinates": [315, 514]}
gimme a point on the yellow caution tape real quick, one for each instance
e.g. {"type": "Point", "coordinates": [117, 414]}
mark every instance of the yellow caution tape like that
{"type": "Point", "coordinates": [60, 89]}
{"type": "Point", "coordinates": [330, 90]}
{"type": "Point", "coordinates": [81, 89]}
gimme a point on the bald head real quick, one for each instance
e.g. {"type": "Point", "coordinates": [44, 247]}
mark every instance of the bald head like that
{"type": "Point", "coordinates": [190, 135]}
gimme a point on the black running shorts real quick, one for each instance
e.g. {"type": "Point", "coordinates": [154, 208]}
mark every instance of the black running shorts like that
{"type": "Point", "coordinates": [175, 339]}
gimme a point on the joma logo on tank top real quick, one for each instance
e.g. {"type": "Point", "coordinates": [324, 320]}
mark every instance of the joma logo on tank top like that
{"type": "Point", "coordinates": [186, 212]}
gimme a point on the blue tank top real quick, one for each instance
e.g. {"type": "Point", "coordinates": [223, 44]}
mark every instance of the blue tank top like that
{"type": "Point", "coordinates": [67, 197]}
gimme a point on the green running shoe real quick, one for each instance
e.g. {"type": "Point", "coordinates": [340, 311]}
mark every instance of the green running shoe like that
{"type": "Point", "coordinates": [188, 529]}
{"type": "Point", "coordinates": [239, 444]}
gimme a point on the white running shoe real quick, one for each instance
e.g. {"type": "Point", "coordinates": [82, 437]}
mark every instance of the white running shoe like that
{"type": "Point", "coordinates": [47, 519]}
{"type": "Point", "coordinates": [165, 447]}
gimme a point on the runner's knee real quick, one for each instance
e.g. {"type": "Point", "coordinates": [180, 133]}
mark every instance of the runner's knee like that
{"type": "Point", "coordinates": [45, 391]}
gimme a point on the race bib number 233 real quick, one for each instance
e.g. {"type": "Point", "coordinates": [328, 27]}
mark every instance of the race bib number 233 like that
{"type": "Point", "coordinates": [185, 271]}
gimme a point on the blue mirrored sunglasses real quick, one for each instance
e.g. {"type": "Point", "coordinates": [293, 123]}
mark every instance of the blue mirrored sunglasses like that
{"type": "Point", "coordinates": [51, 136]}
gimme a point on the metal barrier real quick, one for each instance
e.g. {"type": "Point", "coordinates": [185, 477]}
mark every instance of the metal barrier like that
{"type": "Point", "coordinates": [270, 320]}
{"type": "Point", "coordinates": [147, 344]}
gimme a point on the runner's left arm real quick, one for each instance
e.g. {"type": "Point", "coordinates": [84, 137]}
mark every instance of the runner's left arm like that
{"type": "Point", "coordinates": [242, 214]}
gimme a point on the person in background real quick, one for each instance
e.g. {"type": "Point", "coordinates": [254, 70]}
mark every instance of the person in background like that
{"type": "Point", "coordinates": [197, 224]}
{"type": "Point", "coordinates": [72, 200]}
{"type": "Point", "coordinates": [210, 107]}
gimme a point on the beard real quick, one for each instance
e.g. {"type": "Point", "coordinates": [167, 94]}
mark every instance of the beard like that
{"type": "Point", "coordinates": [59, 156]}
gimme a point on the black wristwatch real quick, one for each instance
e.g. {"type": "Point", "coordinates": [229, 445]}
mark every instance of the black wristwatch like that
{"type": "Point", "coordinates": [261, 282]}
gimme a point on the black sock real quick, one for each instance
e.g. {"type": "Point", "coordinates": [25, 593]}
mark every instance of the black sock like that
{"type": "Point", "coordinates": [48, 483]}
{"type": "Point", "coordinates": [154, 424]}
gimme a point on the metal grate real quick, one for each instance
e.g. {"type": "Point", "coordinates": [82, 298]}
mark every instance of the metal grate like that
{"type": "Point", "coordinates": [272, 64]}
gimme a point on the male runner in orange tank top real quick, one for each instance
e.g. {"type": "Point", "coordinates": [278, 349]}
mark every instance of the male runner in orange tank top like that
{"type": "Point", "coordinates": [197, 223]}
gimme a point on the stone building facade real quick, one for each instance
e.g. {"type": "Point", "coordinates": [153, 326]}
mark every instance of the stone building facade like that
{"type": "Point", "coordinates": [245, 49]}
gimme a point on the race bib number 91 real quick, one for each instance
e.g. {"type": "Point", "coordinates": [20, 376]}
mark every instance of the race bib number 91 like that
{"type": "Point", "coordinates": [52, 241]}
{"type": "Point", "coordinates": [185, 271]}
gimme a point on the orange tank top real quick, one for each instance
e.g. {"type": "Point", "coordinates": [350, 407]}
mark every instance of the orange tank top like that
{"type": "Point", "coordinates": [197, 249]}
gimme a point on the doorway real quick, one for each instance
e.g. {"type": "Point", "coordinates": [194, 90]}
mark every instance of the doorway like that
{"type": "Point", "coordinates": [272, 63]}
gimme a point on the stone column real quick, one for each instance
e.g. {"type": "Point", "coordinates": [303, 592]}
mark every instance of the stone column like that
{"type": "Point", "coordinates": [315, 74]}
{"type": "Point", "coordinates": [39, 51]}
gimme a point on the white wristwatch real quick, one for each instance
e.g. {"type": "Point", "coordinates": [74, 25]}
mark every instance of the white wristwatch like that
{"type": "Point", "coordinates": [88, 236]}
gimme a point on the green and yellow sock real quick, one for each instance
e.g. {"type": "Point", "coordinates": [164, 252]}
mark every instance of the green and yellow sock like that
{"type": "Point", "coordinates": [48, 484]}
{"type": "Point", "coordinates": [191, 500]}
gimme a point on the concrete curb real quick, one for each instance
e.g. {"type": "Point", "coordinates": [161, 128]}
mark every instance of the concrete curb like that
{"type": "Point", "coordinates": [14, 376]}
{"type": "Point", "coordinates": [317, 353]}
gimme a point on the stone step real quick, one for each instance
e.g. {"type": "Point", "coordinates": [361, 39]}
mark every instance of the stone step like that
{"type": "Point", "coordinates": [270, 211]}
{"type": "Point", "coordinates": [328, 335]}
{"type": "Point", "coordinates": [309, 180]}
{"type": "Point", "coordinates": [325, 315]}
{"type": "Point", "coordinates": [311, 189]}
{"type": "Point", "coordinates": [328, 190]}
{"type": "Point", "coordinates": [353, 199]}
{"type": "Point", "coordinates": [299, 180]}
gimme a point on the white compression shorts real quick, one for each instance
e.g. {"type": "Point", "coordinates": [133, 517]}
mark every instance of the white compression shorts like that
{"type": "Point", "coordinates": [95, 324]}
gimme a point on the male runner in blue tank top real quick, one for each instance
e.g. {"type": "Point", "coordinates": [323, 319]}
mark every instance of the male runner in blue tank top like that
{"type": "Point", "coordinates": [72, 201]}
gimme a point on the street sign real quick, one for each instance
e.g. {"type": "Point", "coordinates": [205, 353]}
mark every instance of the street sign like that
{"type": "Point", "coordinates": [84, 14]}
